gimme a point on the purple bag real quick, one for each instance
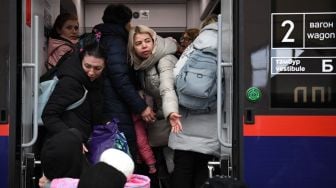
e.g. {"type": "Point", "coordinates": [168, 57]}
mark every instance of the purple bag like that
{"type": "Point", "coordinates": [102, 138]}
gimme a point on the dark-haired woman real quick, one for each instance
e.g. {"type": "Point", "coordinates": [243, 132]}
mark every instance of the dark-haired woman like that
{"type": "Point", "coordinates": [68, 130]}
{"type": "Point", "coordinates": [63, 37]}
{"type": "Point", "coordinates": [188, 36]}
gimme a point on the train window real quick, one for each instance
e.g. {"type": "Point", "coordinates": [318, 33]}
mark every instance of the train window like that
{"type": "Point", "coordinates": [305, 91]}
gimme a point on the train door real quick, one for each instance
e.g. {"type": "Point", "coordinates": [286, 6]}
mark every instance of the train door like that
{"type": "Point", "coordinates": [9, 92]}
{"type": "Point", "coordinates": [285, 76]}
{"type": "Point", "coordinates": [37, 17]}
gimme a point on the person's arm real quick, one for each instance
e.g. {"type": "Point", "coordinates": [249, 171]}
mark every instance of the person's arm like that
{"type": "Point", "coordinates": [66, 92]}
{"type": "Point", "coordinates": [167, 92]}
{"type": "Point", "coordinates": [167, 89]}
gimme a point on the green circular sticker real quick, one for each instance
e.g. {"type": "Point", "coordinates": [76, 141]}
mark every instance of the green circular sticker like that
{"type": "Point", "coordinates": [253, 94]}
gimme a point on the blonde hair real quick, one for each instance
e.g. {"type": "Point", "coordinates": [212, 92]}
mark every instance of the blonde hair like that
{"type": "Point", "coordinates": [139, 29]}
{"type": "Point", "coordinates": [209, 19]}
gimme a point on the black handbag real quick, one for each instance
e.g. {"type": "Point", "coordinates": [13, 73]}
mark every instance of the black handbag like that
{"type": "Point", "coordinates": [158, 133]}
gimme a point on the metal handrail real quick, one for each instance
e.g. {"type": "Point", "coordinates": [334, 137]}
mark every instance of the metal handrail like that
{"type": "Point", "coordinates": [221, 64]}
{"type": "Point", "coordinates": [34, 65]}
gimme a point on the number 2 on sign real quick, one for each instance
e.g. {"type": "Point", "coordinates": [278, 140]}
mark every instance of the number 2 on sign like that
{"type": "Point", "coordinates": [290, 30]}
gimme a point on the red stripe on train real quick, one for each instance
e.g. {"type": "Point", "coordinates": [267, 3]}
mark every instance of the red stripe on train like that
{"type": "Point", "coordinates": [4, 130]}
{"type": "Point", "coordinates": [276, 125]}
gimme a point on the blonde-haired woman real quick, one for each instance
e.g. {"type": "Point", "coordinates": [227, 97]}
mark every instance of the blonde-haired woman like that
{"type": "Point", "coordinates": [153, 57]}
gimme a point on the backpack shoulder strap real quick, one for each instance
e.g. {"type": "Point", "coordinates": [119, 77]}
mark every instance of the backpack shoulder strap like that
{"type": "Point", "coordinates": [79, 102]}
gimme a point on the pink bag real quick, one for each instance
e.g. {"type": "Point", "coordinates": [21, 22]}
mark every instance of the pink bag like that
{"type": "Point", "coordinates": [64, 183]}
{"type": "Point", "coordinates": [138, 181]}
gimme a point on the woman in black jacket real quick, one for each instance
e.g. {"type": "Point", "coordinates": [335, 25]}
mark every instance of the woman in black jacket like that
{"type": "Point", "coordinates": [69, 130]}
{"type": "Point", "coordinates": [121, 97]}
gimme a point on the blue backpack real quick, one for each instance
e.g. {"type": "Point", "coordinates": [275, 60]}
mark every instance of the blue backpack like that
{"type": "Point", "coordinates": [45, 90]}
{"type": "Point", "coordinates": [196, 83]}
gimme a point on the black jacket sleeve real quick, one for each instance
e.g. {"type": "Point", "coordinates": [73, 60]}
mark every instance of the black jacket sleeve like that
{"type": "Point", "coordinates": [119, 75]}
{"type": "Point", "coordinates": [66, 92]}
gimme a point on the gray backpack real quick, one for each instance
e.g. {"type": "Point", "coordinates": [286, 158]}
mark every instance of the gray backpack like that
{"type": "Point", "coordinates": [196, 83]}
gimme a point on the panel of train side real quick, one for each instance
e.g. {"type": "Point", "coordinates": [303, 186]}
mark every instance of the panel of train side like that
{"type": "Point", "coordinates": [286, 91]}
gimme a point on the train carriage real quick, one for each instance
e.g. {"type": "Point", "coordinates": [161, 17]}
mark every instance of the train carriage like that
{"type": "Point", "coordinates": [277, 59]}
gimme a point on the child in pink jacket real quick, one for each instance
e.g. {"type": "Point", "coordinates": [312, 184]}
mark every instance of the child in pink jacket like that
{"type": "Point", "coordinates": [145, 150]}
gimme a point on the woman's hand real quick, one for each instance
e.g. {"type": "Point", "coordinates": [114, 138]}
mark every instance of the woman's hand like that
{"type": "Point", "coordinates": [175, 122]}
{"type": "Point", "coordinates": [148, 115]}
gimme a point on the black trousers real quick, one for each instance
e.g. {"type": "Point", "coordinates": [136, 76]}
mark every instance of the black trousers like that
{"type": "Point", "coordinates": [190, 169]}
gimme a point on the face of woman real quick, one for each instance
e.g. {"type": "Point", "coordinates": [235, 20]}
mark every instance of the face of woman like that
{"type": "Point", "coordinates": [185, 41]}
{"type": "Point", "coordinates": [143, 45]}
{"type": "Point", "coordinates": [93, 66]}
{"type": "Point", "coordinates": [69, 30]}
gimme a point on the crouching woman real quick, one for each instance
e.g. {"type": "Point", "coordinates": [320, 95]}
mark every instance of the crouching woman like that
{"type": "Point", "coordinates": [68, 130]}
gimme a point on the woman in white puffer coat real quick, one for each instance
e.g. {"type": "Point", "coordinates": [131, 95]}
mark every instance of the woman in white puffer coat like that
{"type": "Point", "coordinates": [153, 58]}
